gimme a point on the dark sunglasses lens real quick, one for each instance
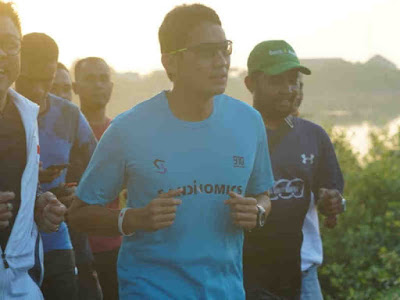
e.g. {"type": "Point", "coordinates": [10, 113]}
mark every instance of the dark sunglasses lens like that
{"type": "Point", "coordinates": [210, 50]}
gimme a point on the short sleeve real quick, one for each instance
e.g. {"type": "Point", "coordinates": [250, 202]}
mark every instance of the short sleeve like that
{"type": "Point", "coordinates": [82, 149]}
{"type": "Point", "coordinates": [104, 176]}
{"type": "Point", "coordinates": [261, 178]}
{"type": "Point", "coordinates": [328, 173]}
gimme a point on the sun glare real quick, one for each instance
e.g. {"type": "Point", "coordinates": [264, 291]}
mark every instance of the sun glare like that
{"type": "Point", "coordinates": [125, 32]}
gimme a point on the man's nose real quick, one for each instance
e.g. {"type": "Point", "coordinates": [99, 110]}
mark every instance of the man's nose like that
{"type": "Point", "coordinates": [98, 84]}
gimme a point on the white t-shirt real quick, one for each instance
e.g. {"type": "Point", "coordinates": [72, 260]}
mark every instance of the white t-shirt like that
{"type": "Point", "coordinates": [311, 249]}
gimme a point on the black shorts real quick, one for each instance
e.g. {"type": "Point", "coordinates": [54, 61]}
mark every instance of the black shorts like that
{"type": "Point", "coordinates": [60, 279]}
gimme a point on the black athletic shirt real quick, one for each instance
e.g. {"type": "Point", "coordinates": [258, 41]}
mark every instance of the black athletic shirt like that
{"type": "Point", "coordinates": [303, 161]}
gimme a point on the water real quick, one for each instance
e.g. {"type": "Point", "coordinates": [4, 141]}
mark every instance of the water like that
{"type": "Point", "coordinates": [358, 135]}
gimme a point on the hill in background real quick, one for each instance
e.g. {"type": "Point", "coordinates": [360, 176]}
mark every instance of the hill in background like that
{"type": "Point", "coordinates": [338, 92]}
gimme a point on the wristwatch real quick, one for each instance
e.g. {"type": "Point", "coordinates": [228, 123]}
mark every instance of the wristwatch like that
{"type": "Point", "coordinates": [260, 216]}
{"type": "Point", "coordinates": [343, 204]}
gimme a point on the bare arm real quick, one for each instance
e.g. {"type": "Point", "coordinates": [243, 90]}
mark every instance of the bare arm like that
{"type": "Point", "coordinates": [93, 219]}
{"type": "Point", "coordinates": [98, 220]}
{"type": "Point", "coordinates": [264, 200]}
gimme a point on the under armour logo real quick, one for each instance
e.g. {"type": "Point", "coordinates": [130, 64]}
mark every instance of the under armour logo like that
{"type": "Point", "coordinates": [159, 164]}
{"type": "Point", "coordinates": [307, 159]}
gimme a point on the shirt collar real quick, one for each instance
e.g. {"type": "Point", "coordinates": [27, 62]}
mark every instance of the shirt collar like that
{"type": "Point", "coordinates": [289, 121]}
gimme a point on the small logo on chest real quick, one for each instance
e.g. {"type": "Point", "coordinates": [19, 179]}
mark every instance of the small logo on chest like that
{"type": "Point", "coordinates": [309, 160]}
{"type": "Point", "coordinates": [160, 165]}
{"type": "Point", "coordinates": [238, 161]}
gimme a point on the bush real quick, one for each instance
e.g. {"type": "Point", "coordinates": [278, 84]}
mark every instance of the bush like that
{"type": "Point", "coordinates": [362, 254]}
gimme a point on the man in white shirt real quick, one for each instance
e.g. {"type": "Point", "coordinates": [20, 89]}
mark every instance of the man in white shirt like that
{"type": "Point", "coordinates": [21, 209]}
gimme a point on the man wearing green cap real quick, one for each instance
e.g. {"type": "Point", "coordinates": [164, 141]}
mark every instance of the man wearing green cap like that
{"type": "Point", "coordinates": [305, 168]}
{"type": "Point", "coordinates": [299, 99]}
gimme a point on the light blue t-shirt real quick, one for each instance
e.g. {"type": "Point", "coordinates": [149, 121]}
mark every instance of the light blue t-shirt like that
{"type": "Point", "coordinates": [151, 151]}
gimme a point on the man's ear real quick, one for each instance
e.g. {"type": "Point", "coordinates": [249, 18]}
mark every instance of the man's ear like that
{"type": "Point", "coordinates": [250, 84]}
{"type": "Point", "coordinates": [75, 88]}
{"type": "Point", "coordinates": [169, 62]}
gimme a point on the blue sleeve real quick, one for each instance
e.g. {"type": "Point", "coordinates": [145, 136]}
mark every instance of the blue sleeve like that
{"type": "Point", "coordinates": [85, 135]}
{"type": "Point", "coordinates": [328, 174]}
{"type": "Point", "coordinates": [82, 149]}
{"type": "Point", "coordinates": [105, 174]}
{"type": "Point", "coordinates": [261, 178]}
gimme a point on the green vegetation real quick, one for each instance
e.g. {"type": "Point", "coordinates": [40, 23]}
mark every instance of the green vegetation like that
{"type": "Point", "coordinates": [362, 254]}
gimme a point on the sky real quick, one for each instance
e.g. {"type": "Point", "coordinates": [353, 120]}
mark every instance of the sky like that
{"type": "Point", "coordinates": [124, 32]}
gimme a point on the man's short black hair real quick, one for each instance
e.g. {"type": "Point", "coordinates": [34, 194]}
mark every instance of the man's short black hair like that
{"type": "Point", "coordinates": [7, 10]}
{"type": "Point", "coordinates": [62, 67]}
{"type": "Point", "coordinates": [90, 59]}
{"type": "Point", "coordinates": [180, 21]}
{"type": "Point", "coordinates": [38, 47]}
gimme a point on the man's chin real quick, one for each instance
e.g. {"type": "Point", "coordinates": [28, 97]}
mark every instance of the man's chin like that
{"type": "Point", "coordinates": [218, 90]}
{"type": "Point", "coordinates": [97, 106]}
{"type": "Point", "coordinates": [276, 115]}
{"type": "Point", "coordinates": [211, 92]}
{"type": "Point", "coordinates": [32, 99]}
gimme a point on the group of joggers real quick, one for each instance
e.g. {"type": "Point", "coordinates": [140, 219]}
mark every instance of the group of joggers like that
{"type": "Point", "coordinates": [191, 194]}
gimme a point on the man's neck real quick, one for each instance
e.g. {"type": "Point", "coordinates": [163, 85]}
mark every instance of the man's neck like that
{"type": "Point", "coordinates": [188, 106]}
{"type": "Point", "coordinates": [273, 123]}
{"type": "Point", "coordinates": [43, 105]}
{"type": "Point", "coordinates": [95, 117]}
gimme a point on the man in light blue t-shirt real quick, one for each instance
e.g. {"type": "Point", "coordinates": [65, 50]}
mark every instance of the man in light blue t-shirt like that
{"type": "Point", "coordinates": [196, 166]}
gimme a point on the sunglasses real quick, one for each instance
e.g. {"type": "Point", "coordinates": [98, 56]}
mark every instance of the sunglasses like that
{"type": "Point", "coordinates": [208, 50]}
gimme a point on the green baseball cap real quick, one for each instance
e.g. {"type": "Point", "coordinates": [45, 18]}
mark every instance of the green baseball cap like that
{"type": "Point", "coordinates": [273, 58]}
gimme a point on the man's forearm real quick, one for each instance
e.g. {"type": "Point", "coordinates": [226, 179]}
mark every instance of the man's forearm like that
{"type": "Point", "coordinates": [102, 221]}
{"type": "Point", "coordinates": [94, 220]}
{"type": "Point", "coordinates": [97, 220]}
{"type": "Point", "coordinates": [264, 200]}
